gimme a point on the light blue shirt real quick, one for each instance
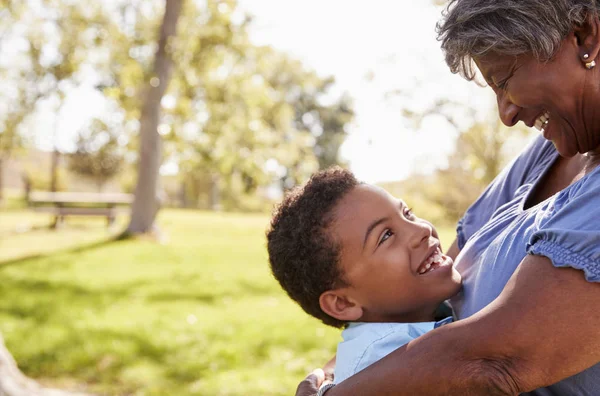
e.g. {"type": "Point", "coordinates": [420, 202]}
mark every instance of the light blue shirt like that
{"type": "Point", "coordinates": [366, 343]}
{"type": "Point", "coordinates": [497, 232]}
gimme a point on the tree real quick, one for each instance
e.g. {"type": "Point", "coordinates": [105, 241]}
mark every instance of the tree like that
{"type": "Point", "coordinates": [54, 40]}
{"type": "Point", "coordinates": [234, 117]}
{"type": "Point", "coordinates": [318, 127]}
{"type": "Point", "coordinates": [235, 122]}
{"type": "Point", "coordinates": [197, 54]}
{"type": "Point", "coordinates": [282, 129]}
{"type": "Point", "coordinates": [98, 156]}
{"type": "Point", "coordinates": [146, 202]}
{"type": "Point", "coordinates": [326, 123]}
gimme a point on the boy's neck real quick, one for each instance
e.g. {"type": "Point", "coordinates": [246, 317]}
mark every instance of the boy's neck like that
{"type": "Point", "coordinates": [412, 317]}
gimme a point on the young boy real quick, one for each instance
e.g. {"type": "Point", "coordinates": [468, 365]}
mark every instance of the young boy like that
{"type": "Point", "coordinates": [357, 258]}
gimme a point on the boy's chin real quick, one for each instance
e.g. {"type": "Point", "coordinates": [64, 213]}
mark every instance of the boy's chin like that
{"type": "Point", "coordinates": [453, 286]}
{"type": "Point", "coordinates": [456, 280]}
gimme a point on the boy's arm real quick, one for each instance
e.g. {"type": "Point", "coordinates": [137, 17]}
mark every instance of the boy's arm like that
{"type": "Point", "coordinates": [329, 368]}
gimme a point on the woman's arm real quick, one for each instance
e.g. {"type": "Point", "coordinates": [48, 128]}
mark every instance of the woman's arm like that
{"type": "Point", "coordinates": [542, 328]}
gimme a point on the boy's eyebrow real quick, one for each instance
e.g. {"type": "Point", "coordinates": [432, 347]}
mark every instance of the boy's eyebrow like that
{"type": "Point", "coordinates": [371, 227]}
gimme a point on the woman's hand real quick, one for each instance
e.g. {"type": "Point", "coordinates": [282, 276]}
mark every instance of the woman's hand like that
{"type": "Point", "coordinates": [311, 384]}
{"type": "Point", "coordinates": [319, 377]}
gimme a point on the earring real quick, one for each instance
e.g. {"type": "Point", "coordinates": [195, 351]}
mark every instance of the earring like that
{"type": "Point", "coordinates": [585, 56]}
{"type": "Point", "coordinates": [590, 65]}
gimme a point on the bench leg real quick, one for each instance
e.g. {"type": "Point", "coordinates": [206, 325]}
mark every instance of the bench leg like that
{"type": "Point", "coordinates": [54, 223]}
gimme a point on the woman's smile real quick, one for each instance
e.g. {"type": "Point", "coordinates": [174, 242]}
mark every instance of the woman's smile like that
{"type": "Point", "coordinates": [541, 123]}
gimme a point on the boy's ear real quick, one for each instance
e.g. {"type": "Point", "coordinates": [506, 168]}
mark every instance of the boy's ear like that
{"type": "Point", "coordinates": [337, 304]}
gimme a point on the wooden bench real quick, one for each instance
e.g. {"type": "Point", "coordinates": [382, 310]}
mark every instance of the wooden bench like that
{"type": "Point", "coordinates": [62, 204]}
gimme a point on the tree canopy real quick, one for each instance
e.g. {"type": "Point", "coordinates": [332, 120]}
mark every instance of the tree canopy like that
{"type": "Point", "coordinates": [243, 117]}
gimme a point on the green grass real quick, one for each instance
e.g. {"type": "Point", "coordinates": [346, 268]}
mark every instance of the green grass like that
{"type": "Point", "coordinates": [199, 315]}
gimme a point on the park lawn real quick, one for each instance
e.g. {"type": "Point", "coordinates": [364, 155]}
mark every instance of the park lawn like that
{"type": "Point", "coordinates": [197, 315]}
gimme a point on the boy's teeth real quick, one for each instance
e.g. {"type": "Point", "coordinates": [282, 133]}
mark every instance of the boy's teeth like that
{"type": "Point", "coordinates": [434, 261]}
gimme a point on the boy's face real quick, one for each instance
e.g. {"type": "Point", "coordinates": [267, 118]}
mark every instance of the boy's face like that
{"type": "Point", "coordinates": [390, 258]}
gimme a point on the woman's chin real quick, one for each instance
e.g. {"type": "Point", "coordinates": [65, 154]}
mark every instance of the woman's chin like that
{"type": "Point", "coordinates": [563, 150]}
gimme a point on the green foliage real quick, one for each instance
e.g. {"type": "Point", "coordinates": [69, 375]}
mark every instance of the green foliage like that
{"type": "Point", "coordinates": [98, 156]}
{"type": "Point", "coordinates": [262, 122]}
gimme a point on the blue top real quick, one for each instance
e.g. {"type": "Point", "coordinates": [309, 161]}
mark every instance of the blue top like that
{"type": "Point", "coordinates": [366, 343]}
{"type": "Point", "coordinates": [497, 232]}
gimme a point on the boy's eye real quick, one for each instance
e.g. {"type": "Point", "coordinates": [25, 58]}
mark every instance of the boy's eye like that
{"type": "Point", "coordinates": [386, 234]}
{"type": "Point", "coordinates": [408, 213]}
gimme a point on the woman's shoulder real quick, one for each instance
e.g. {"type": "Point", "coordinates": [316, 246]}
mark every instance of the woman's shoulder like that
{"type": "Point", "coordinates": [567, 230]}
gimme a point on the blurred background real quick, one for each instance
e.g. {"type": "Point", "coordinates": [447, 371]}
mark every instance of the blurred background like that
{"type": "Point", "coordinates": [143, 144]}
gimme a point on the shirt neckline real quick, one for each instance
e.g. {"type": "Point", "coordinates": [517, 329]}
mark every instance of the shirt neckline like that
{"type": "Point", "coordinates": [543, 175]}
{"type": "Point", "coordinates": [553, 159]}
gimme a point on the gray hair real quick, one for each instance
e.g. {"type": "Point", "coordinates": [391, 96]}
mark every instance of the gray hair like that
{"type": "Point", "coordinates": [473, 28]}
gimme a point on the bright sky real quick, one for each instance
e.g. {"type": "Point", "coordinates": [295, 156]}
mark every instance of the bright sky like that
{"type": "Point", "coordinates": [394, 40]}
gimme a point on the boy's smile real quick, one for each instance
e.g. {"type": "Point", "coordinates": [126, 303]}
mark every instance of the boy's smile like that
{"type": "Point", "coordinates": [391, 260]}
{"type": "Point", "coordinates": [436, 260]}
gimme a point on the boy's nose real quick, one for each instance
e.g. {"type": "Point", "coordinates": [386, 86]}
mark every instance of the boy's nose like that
{"type": "Point", "coordinates": [421, 234]}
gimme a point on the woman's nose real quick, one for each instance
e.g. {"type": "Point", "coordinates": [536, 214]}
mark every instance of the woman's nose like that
{"type": "Point", "coordinates": [509, 112]}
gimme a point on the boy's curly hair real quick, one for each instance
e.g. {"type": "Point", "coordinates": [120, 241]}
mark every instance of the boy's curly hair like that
{"type": "Point", "coordinates": [303, 255]}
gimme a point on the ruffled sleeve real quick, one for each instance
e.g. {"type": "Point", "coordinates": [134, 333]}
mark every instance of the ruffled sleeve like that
{"type": "Point", "coordinates": [523, 170]}
{"type": "Point", "coordinates": [567, 231]}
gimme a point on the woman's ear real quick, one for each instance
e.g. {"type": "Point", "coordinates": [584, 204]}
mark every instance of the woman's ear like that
{"type": "Point", "coordinates": [337, 304]}
{"type": "Point", "coordinates": [588, 38]}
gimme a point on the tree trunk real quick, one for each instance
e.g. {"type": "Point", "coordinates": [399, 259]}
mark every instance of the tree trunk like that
{"type": "Point", "coordinates": [14, 383]}
{"type": "Point", "coordinates": [1, 181]}
{"type": "Point", "coordinates": [215, 198]}
{"type": "Point", "coordinates": [146, 202]}
{"type": "Point", "coordinates": [26, 187]}
{"type": "Point", "coordinates": [183, 199]}
{"type": "Point", "coordinates": [54, 170]}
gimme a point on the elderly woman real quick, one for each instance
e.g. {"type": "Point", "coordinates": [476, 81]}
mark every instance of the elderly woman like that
{"type": "Point", "coordinates": [530, 245]}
